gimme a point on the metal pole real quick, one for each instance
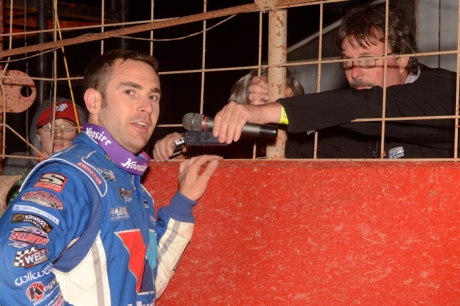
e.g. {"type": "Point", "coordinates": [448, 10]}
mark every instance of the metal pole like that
{"type": "Point", "coordinates": [42, 61]}
{"type": "Point", "coordinates": [277, 46]}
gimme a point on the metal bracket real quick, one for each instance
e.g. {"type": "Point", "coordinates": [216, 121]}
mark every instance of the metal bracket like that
{"type": "Point", "coordinates": [265, 5]}
{"type": "Point", "coordinates": [13, 82]}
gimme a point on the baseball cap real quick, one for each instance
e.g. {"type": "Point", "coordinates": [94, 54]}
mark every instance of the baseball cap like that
{"type": "Point", "coordinates": [64, 110]}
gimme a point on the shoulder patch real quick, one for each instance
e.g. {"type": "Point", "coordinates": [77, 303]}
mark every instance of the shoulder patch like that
{"type": "Point", "coordinates": [53, 181]}
{"type": "Point", "coordinates": [43, 198]}
{"type": "Point", "coordinates": [30, 257]}
{"type": "Point", "coordinates": [27, 236]}
{"type": "Point", "coordinates": [31, 209]}
{"type": "Point", "coordinates": [32, 219]}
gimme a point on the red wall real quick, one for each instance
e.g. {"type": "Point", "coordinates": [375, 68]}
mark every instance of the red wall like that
{"type": "Point", "coordinates": [320, 233]}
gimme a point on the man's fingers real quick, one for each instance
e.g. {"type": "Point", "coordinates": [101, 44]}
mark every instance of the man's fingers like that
{"type": "Point", "coordinates": [164, 148]}
{"type": "Point", "coordinates": [210, 169]}
{"type": "Point", "coordinates": [192, 184]}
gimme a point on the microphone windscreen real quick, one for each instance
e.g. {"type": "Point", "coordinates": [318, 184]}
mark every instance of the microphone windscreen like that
{"type": "Point", "coordinates": [193, 122]}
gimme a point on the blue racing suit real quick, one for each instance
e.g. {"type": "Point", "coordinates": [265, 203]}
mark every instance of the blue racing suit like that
{"type": "Point", "coordinates": [83, 231]}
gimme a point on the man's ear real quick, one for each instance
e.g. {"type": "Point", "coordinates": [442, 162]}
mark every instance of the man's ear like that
{"type": "Point", "coordinates": [93, 101]}
{"type": "Point", "coordinates": [402, 63]}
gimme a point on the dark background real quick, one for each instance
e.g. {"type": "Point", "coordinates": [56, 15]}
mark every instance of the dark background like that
{"type": "Point", "coordinates": [233, 43]}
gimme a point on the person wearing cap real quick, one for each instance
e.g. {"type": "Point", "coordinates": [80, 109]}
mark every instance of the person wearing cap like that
{"type": "Point", "coordinates": [67, 119]}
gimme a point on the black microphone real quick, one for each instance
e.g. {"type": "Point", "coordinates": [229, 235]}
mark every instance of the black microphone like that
{"type": "Point", "coordinates": [199, 122]}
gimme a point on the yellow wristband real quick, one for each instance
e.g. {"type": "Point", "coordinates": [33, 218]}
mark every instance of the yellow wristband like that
{"type": "Point", "coordinates": [284, 119]}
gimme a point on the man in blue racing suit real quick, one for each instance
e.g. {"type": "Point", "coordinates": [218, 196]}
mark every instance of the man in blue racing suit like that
{"type": "Point", "coordinates": [83, 230]}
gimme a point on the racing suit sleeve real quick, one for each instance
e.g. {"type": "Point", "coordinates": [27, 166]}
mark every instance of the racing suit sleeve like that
{"type": "Point", "coordinates": [174, 227]}
{"type": "Point", "coordinates": [51, 210]}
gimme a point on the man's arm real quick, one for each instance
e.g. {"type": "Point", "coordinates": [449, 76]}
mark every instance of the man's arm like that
{"type": "Point", "coordinates": [175, 222]}
{"type": "Point", "coordinates": [34, 231]}
{"type": "Point", "coordinates": [229, 121]}
{"type": "Point", "coordinates": [339, 107]}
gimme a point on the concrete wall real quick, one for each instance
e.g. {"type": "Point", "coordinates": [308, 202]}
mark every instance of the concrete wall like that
{"type": "Point", "coordinates": [437, 30]}
{"type": "Point", "coordinates": [320, 233]}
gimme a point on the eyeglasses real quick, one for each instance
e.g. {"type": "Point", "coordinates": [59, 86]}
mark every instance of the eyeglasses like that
{"type": "Point", "coordinates": [63, 127]}
{"type": "Point", "coordinates": [363, 63]}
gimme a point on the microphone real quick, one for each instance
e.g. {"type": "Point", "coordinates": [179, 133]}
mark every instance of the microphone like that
{"type": "Point", "coordinates": [199, 122]}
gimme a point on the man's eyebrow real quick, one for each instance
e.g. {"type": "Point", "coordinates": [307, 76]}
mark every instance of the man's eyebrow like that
{"type": "Point", "coordinates": [360, 55]}
{"type": "Point", "coordinates": [137, 86]}
{"type": "Point", "coordinates": [129, 84]}
{"type": "Point", "coordinates": [156, 90]}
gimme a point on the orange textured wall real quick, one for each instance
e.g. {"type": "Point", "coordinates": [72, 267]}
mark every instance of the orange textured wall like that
{"type": "Point", "coordinates": [320, 233]}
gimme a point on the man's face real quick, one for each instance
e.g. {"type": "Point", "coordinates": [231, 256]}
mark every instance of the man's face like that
{"type": "Point", "coordinates": [133, 104]}
{"type": "Point", "coordinates": [361, 78]}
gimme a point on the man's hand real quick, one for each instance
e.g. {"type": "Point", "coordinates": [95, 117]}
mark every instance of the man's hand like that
{"type": "Point", "coordinates": [229, 121]}
{"type": "Point", "coordinates": [258, 91]}
{"type": "Point", "coordinates": [164, 147]}
{"type": "Point", "coordinates": [192, 184]}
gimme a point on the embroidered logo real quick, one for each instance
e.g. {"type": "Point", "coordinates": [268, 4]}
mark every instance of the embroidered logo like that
{"type": "Point", "coordinates": [35, 220]}
{"type": "Point", "coordinates": [32, 276]}
{"type": "Point", "coordinates": [30, 257]}
{"type": "Point", "coordinates": [119, 213]}
{"type": "Point", "coordinates": [397, 152]}
{"type": "Point", "coordinates": [52, 181]}
{"type": "Point", "coordinates": [43, 198]}
{"type": "Point", "coordinates": [130, 164]}
{"type": "Point", "coordinates": [125, 194]}
{"type": "Point", "coordinates": [36, 292]}
{"type": "Point", "coordinates": [28, 235]}
{"type": "Point", "coordinates": [60, 107]}
{"type": "Point", "coordinates": [18, 207]}
{"type": "Point", "coordinates": [91, 172]}
{"type": "Point", "coordinates": [107, 174]}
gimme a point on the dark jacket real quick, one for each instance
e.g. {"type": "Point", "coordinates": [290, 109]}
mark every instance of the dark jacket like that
{"type": "Point", "coordinates": [330, 113]}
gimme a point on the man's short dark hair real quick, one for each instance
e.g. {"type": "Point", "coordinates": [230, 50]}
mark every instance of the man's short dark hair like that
{"type": "Point", "coordinates": [366, 25]}
{"type": "Point", "coordinates": [99, 70]}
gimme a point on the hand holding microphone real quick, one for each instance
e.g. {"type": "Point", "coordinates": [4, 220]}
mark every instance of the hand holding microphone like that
{"type": "Point", "coordinates": [199, 122]}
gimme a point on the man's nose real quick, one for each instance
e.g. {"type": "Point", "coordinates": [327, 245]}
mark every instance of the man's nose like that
{"type": "Point", "coordinates": [356, 71]}
{"type": "Point", "coordinates": [146, 105]}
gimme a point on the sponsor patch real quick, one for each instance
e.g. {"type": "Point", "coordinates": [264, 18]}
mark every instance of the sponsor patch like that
{"type": "Point", "coordinates": [32, 219]}
{"type": "Point", "coordinates": [43, 198]}
{"type": "Point", "coordinates": [19, 207]}
{"type": "Point", "coordinates": [37, 292]}
{"type": "Point", "coordinates": [107, 174]}
{"type": "Point", "coordinates": [26, 236]}
{"type": "Point", "coordinates": [119, 213]}
{"type": "Point", "coordinates": [53, 181]}
{"type": "Point", "coordinates": [125, 194]}
{"type": "Point", "coordinates": [397, 152]}
{"type": "Point", "coordinates": [30, 257]}
{"type": "Point", "coordinates": [33, 276]}
{"type": "Point", "coordinates": [90, 172]}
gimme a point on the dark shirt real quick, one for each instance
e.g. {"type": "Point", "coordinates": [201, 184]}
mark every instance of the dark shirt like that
{"type": "Point", "coordinates": [330, 113]}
